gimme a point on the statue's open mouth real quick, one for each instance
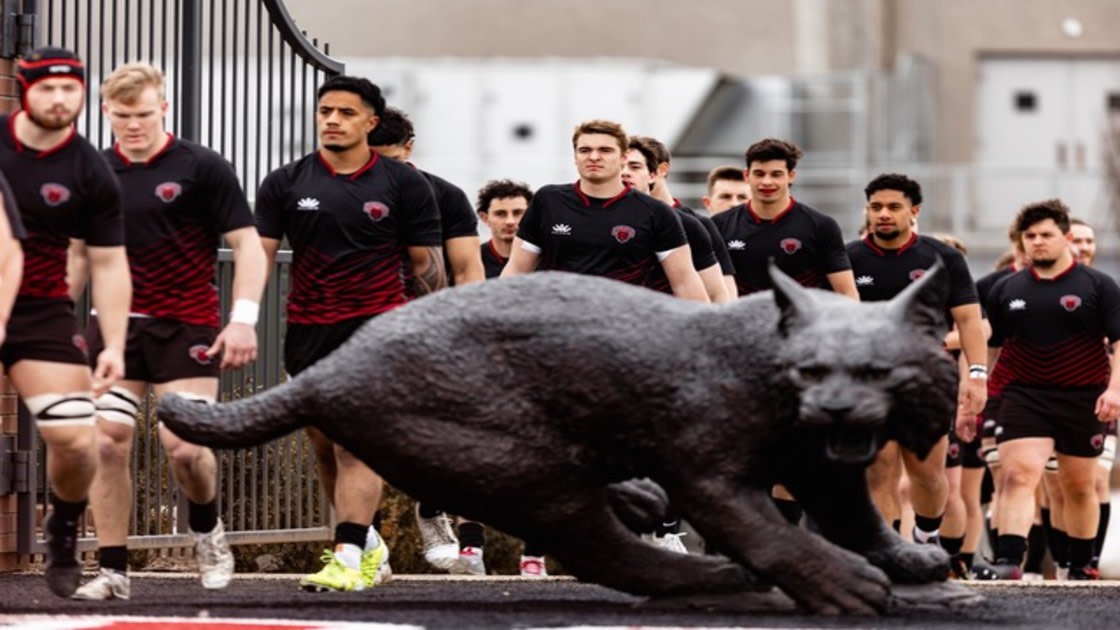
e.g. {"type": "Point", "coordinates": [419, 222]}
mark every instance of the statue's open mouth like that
{"type": "Point", "coordinates": [851, 445]}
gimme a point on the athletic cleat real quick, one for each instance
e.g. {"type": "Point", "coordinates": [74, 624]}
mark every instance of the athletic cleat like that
{"type": "Point", "coordinates": [671, 542]}
{"type": "Point", "coordinates": [533, 566]}
{"type": "Point", "coordinates": [108, 584]}
{"type": "Point", "coordinates": [1061, 574]}
{"type": "Point", "coordinates": [470, 562]}
{"type": "Point", "coordinates": [215, 560]}
{"type": "Point", "coordinates": [334, 577]}
{"type": "Point", "coordinates": [1083, 574]}
{"type": "Point", "coordinates": [375, 565]}
{"type": "Point", "coordinates": [63, 572]}
{"type": "Point", "coordinates": [441, 546]}
{"type": "Point", "coordinates": [958, 569]}
{"type": "Point", "coordinates": [997, 571]}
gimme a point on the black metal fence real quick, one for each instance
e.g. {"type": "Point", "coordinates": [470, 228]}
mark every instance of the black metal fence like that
{"type": "Point", "coordinates": [241, 79]}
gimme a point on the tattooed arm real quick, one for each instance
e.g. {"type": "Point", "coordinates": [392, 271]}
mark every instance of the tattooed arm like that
{"type": "Point", "coordinates": [429, 274]}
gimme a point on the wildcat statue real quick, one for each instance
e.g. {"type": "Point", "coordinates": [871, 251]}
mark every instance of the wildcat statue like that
{"type": "Point", "coordinates": [524, 402]}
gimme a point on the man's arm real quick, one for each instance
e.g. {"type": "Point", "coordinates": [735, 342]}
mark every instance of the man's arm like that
{"type": "Point", "coordinates": [465, 259]}
{"type": "Point", "coordinates": [77, 269]}
{"type": "Point", "coordinates": [714, 285]}
{"type": "Point", "coordinates": [112, 297]}
{"type": "Point", "coordinates": [682, 276]}
{"type": "Point", "coordinates": [521, 260]}
{"type": "Point", "coordinates": [11, 273]}
{"type": "Point", "coordinates": [732, 288]}
{"type": "Point", "coordinates": [844, 283]}
{"type": "Point", "coordinates": [973, 391]}
{"type": "Point", "coordinates": [1108, 404]}
{"type": "Point", "coordinates": [238, 340]}
{"type": "Point", "coordinates": [428, 272]}
{"type": "Point", "coordinates": [270, 246]}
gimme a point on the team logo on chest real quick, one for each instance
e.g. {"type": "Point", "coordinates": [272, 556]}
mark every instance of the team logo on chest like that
{"type": "Point", "coordinates": [168, 191]}
{"type": "Point", "coordinates": [375, 210]}
{"type": "Point", "coordinates": [790, 245]}
{"type": "Point", "coordinates": [198, 353]}
{"type": "Point", "coordinates": [623, 233]}
{"type": "Point", "coordinates": [54, 194]}
{"type": "Point", "coordinates": [1070, 302]}
{"type": "Point", "coordinates": [917, 273]}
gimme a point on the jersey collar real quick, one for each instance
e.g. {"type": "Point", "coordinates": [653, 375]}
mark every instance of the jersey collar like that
{"type": "Point", "coordinates": [373, 157]}
{"type": "Point", "coordinates": [870, 242]}
{"type": "Point", "coordinates": [155, 156]}
{"type": "Point", "coordinates": [1065, 272]}
{"type": "Point", "coordinates": [778, 217]}
{"type": "Point", "coordinates": [606, 204]}
{"type": "Point", "coordinates": [494, 250]}
{"type": "Point", "coordinates": [20, 147]}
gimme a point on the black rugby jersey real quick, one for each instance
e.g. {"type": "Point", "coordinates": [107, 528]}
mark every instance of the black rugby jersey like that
{"type": "Point", "coordinates": [1050, 331]}
{"type": "Point", "coordinates": [699, 243]}
{"type": "Point", "coordinates": [805, 244]}
{"type": "Point", "coordinates": [177, 205]}
{"type": "Point", "coordinates": [66, 192]}
{"type": "Point", "coordinates": [11, 209]}
{"type": "Point", "coordinates": [349, 234]}
{"type": "Point", "coordinates": [492, 261]}
{"type": "Point", "coordinates": [999, 376]}
{"type": "Point", "coordinates": [619, 238]}
{"type": "Point", "coordinates": [882, 274]}
{"type": "Point", "coordinates": [718, 246]}
{"type": "Point", "coordinates": [456, 217]}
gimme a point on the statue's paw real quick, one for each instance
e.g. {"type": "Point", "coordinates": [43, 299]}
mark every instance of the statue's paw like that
{"type": "Point", "coordinates": [639, 503]}
{"type": "Point", "coordinates": [827, 580]}
{"type": "Point", "coordinates": [909, 563]}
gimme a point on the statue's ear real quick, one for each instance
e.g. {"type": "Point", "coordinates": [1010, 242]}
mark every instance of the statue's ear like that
{"type": "Point", "coordinates": [797, 305]}
{"type": "Point", "coordinates": [923, 304]}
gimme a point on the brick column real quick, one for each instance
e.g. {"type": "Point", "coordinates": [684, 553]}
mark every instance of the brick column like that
{"type": "Point", "coordinates": [9, 558]}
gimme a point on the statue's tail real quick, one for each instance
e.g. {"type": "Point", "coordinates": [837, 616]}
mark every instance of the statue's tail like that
{"type": "Point", "coordinates": [238, 424]}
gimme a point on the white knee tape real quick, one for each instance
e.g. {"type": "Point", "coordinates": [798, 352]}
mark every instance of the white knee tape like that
{"type": "Point", "coordinates": [991, 456]}
{"type": "Point", "coordinates": [1108, 455]}
{"type": "Point", "coordinates": [118, 405]}
{"type": "Point", "coordinates": [1052, 464]}
{"type": "Point", "coordinates": [57, 410]}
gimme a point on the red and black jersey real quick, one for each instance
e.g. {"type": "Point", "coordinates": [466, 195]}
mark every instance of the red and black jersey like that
{"type": "Point", "coordinates": [66, 192]}
{"type": "Point", "coordinates": [1051, 330]}
{"type": "Point", "coordinates": [11, 209]}
{"type": "Point", "coordinates": [726, 267]}
{"type": "Point", "coordinates": [622, 238]}
{"type": "Point", "coordinates": [999, 376]}
{"type": "Point", "coordinates": [699, 243]}
{"type": "Point", "coordinates": [882, 274]}
{"type": "Point", "coordinates": [177, 205]}
{"type": "Point", "coordinates": [492, 261]}
{"type": "Point", "coordinates": [805, 244]}
{"type": "Point", "coordinates": [349, 234]}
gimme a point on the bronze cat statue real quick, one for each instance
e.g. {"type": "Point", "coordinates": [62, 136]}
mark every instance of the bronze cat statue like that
{"type": "Point", "coordinates": [523, 402]}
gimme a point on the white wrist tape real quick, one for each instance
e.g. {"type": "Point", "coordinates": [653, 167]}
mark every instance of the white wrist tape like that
{"type": "Point", "coordinates": [245, 312]}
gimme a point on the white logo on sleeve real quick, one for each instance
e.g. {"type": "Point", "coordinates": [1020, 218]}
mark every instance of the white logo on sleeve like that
{"type": "Point", "coordinates": [1017, 305]}
{"type": "Point", "coordinates": [562, 229]}
{"type": "Point", "coordinates": [865, 281]}
{"type": "Point", "coordinates": [736, 244]}
{"type": "Point", "coordinates": [307, 203]}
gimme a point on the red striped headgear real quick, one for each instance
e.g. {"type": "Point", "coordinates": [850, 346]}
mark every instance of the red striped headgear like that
{"type": "Point", "coordinates": [48, 63]}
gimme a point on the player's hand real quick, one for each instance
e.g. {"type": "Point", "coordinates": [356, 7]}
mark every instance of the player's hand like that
{"type": "Point", "coordinates": [1108, 405]}
{"type": "Point", "coordinates": [238, 345]}
{"type": "Point", "coordinates": [966, 425]}
{"type": "Point", "coordinates": [109, 370]}
{"type": "Point", "coordinates": [973, 395]}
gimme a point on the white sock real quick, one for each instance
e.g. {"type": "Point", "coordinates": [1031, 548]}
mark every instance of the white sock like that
{"type": "Point", "coordinates": [373, 541]}
{"type": "Point", "coordinates": [350, 555]}
{"type": "Point", "coordinates": [923, 536]}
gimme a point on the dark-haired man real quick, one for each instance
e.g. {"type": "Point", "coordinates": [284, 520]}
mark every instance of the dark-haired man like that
{"type": "Point", "coordinates": [1047, 325]}
{"type": "Point", "coordinates": [501, 204]}
{"type": "Point", "coordinates": [601, 226]}
{"type": "Point", "coordinates": [885, 262]}
{"type": "Point", "coordinates": [66, 196]}
{"type": "Point", "coordinates": [353, 220]}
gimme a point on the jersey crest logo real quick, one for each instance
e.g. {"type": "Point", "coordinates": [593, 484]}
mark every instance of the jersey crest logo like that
{"type": "Point", "coordinates": [917, 273]}
{"type": "Point", "coordinates": [865, 281]}
{"type": "Point", "coordinates": [169, 191]}
{"type": "Point", "coordinates": [562, 229]}
{"type": "Point", "coordinates": [1017, 305]}
{"type": "Point", "coordinates": [790, 245]}
{"type": "Point", "coordinates": [80, 343]}
{"type": "Point", "coordinates": [1097, 441]}
{"type": "Point", "coordinates": [736, 245]}
{"type": "Point", "coordinates": [954, 450]}
{"type": "Point", "coordinates": [198, 353]}
{"type": "Point", "coordinates": [307, 203]}
{"type": "Point", "coordinates": [1070, 302]}
{"type": "Point", "coordinates": [55, 194]}
{"type": "Point", "coordinates": [375, 210]}
{"type": "Point", "coordinates": [623, 233]}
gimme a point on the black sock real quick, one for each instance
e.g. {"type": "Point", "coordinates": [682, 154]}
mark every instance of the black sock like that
{"type": "Point", "coordinates": [115, 558]}
{"type": "Point", "coordinates": [928, 524]}
{"type": "Point", "coordinates": [376, 523]}
{"type": "Point", "coordinates": [471, 534]}
{"type": "Point", "coordinates": [202, 517]}
{"type": "Point", "coordinates": [66, 514]}
{"type": "Point", "coordinates": [1010, 549]}
{"type": "Point", "coordinates": [670, 526]}
{"type": "Point", "coordinates": [896, 525]}
{"type": "Point", "coordinates": [531, 549]}
{"type": "Point", "coordinates": [427, 511]}
{"type": "Point", "coordinates": [1059, 546]}
{"type": "Point", "coordinates": [1102, 530]}
{"type": "Point", "coordinates": [968, 557]}
{"type": "Point", "coordinates": [1080, 552]}
{"type": "Point", "coordinates": [791, 510]}
{"type": "Point", "coordinates": [346, 533]}
{"type": "Point", "coordinates": [993, 531]}
{"type": "Point", "coordinates": [952, 545]}
{"type": "Point", "coordinates": [1036, 550]}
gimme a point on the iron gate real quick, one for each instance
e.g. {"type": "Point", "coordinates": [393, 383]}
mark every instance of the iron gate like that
{"type": "Point", "coordinates": [241, 79]}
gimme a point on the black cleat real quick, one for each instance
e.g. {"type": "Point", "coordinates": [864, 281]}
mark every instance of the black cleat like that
{"type": "Point", "coordinates": [999, 570]}
{"type": "Point", "coordinates": [1083, 574]}
{"type": "Point", "coordinates": [63, 571]}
